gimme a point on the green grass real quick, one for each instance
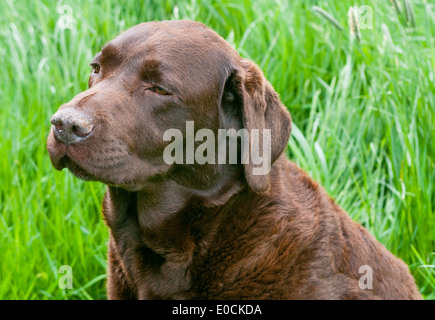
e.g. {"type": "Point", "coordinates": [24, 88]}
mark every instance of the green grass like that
{"type": "Point", "coordinates": [364, 123]}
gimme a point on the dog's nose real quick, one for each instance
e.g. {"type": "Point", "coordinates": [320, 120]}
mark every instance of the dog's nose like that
{"type": "Point", "coordinates": [71, 126]}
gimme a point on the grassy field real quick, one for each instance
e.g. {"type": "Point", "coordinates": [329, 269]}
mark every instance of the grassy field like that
{"type": "Point", "coordinates": [363, 112]}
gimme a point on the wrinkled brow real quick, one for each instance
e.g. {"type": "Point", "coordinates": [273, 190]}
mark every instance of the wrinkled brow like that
{"type": "Point", "coordinates": [110, 56]}
{"type": "Point", "coordinates": [158, 73]}
{"type": "Point", "coordinates": [151, 70]}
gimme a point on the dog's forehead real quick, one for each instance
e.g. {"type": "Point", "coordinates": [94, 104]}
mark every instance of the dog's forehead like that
{"type": "Point", "coordinates": [182, 40]}
{"type": "Point", "coordinates": [177, 29]}
{"type": "Point", "coordinates": [184, 52]}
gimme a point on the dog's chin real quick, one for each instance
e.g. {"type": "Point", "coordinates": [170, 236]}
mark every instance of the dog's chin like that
{"type": "Point", "coordinates": [81, 173]}
{"type": "Point", "coordinates": [76, 170]}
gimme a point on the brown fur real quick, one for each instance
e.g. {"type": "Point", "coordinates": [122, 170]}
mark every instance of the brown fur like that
{"type": "Point", "coordinates": [190, 231]}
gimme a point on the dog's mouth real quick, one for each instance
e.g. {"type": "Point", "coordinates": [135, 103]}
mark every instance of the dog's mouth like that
{"type": "Point", "coordinates": [105, 164]}
{"type": "Point", "coordinates": [75, 169]}
{"type": "Point", "coordinates": [81, 173]}
{"type": "Point", "coordinates": [60, 156]}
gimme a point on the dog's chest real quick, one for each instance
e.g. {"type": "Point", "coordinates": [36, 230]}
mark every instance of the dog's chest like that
{"type": "Point", "coordinates": [148, 268]}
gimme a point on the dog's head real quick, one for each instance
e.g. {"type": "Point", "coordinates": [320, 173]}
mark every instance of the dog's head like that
{"type": "Point", "coordinates": [161, 76]}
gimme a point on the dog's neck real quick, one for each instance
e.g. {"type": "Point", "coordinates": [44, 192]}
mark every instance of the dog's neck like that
{"type": "Point", "coordinates": [172, 223]}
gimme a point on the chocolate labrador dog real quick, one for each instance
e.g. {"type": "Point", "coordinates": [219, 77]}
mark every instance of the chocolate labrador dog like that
{"type": "Point", "coordinates": [186, 229]}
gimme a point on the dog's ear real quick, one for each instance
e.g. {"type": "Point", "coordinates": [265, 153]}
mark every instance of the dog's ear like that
{"type": "Point", "coordinates": [250, 100]}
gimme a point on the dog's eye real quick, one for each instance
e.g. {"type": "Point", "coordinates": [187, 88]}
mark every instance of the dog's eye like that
{"type": "Point", "coordinates": [158, 90]}
{"type": "Point", "coordinates": [95, 68]}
